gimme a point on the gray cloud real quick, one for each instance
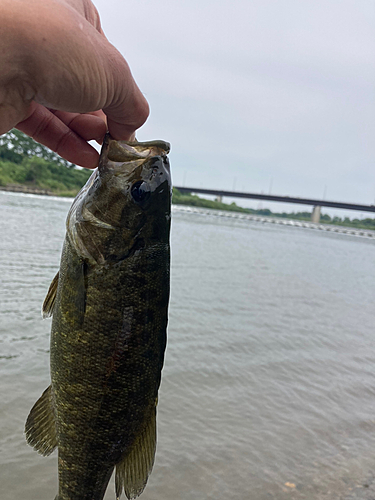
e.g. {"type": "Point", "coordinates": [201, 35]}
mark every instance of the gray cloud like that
{"type": "Point", "coordinates": [257, 90]}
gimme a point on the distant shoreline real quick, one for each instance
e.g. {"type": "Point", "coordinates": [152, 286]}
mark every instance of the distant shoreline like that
{"type": "Point", "coordinates": [31, 168]}
{"type": "Point", "coordinates": [18, 188]}
{"type": "Point", "coordinates": [194, 202]}
{"type": "Point", "coordinates": [21, 188]}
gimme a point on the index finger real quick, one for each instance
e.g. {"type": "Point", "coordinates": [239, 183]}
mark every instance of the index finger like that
{"type": "Point", "coordinates": [48, 129]}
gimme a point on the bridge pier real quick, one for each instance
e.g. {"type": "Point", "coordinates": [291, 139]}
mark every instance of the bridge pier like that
{"type": "Point", "coordinates": [219, 199]}
{"type": "Point", "coordinates": [315, 216]}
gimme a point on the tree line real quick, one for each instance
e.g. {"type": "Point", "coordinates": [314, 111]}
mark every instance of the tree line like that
{"type": "Point", "coordinates": [26, 162]}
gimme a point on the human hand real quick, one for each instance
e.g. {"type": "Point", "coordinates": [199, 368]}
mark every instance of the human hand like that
{"type": "Point", "coordinates": [61, 78]}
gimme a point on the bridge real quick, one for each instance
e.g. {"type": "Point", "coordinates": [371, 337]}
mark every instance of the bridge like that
{"type": "Point", "coordinates": [315, 203]}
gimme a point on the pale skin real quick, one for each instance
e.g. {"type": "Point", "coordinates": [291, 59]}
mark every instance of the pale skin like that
{"type": "Point", "coordinates": [61, 81]}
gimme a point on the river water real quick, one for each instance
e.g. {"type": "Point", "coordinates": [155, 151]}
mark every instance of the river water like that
{"type": "Point", "coordinates": [268, 390]}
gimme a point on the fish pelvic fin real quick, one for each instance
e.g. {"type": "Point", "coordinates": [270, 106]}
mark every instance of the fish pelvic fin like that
{"type": "Point", "coordinates": [134, 469]}
{"type": "Point", "coordinates": [40, 428]}
{"type": "Point", "coordinates": [49, 301]}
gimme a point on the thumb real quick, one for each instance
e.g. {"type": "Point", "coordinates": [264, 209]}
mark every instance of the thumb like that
{"type": "Point", "coordinates": [127, 111]}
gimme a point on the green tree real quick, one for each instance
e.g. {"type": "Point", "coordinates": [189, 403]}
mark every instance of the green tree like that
{"type": "Point", "coordinates": [37, 169]}
{"type": "Point", "coordinates": [15, 146]}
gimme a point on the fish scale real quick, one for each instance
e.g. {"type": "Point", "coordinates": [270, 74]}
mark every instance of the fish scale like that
{"type": "Point", "coordinates": [108, 337]}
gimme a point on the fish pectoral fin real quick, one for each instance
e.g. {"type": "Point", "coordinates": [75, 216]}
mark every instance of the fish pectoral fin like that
{"type": "Point", "coordinates": [133, 471]}
{"type": "Point", "coordinates": [49, 301]}
{"type": "Point", "coordinates": [40, 425]}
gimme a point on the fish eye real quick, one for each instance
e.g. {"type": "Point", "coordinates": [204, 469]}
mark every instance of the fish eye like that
{"type": "Point", "coordinates": [140, 191]}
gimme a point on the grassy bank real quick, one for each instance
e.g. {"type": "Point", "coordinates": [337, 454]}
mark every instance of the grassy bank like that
{"type": "Point", "coordinates": [36, 173]}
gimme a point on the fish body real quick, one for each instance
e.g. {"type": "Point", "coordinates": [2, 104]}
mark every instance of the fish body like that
{"type": "Point", "coordinates": [109, 303]}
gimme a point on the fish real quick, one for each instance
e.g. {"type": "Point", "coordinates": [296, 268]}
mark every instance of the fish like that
{"type": "Point", "coordinates": [109, 307]}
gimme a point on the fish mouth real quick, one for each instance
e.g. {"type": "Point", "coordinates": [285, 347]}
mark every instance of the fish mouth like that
{"type": "Point", "coordinates": [124, 156]}
{"type": "Point", "coordinates": [122, 151]}
{"type": "Point", "coordinates": [133, 163]}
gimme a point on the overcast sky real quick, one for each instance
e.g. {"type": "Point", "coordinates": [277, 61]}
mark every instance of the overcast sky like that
{"type": "Point", "coordinates": [254, 94]}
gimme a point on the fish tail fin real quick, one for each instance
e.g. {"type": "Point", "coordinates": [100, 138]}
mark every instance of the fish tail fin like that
{"type": "Point", "coordinates": [40, 425]}
{"type": "Point", "coordinates": [133, 471]}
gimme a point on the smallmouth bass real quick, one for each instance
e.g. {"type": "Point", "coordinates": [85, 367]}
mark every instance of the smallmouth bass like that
{"type": "Point", "coordinates": [109, 303]}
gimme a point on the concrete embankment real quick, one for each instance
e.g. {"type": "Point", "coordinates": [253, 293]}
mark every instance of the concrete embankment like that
{"type": "Point", "coordinates": [17, 188]}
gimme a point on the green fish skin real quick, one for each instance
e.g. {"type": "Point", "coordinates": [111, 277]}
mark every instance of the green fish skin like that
{"type": "Point", "coordinates": [109, 303]}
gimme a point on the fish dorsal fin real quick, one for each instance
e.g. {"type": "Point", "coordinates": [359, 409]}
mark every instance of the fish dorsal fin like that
{"type": "Point", "coordinates": [49, 301]}
{"type": "Point", "coordinates": [133, 471]}
{"type": "Point", "coordinates": [40, 426]}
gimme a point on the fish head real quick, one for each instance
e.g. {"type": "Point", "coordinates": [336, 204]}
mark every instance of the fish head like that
{"type": "Point", "coordinates": [125, 204]}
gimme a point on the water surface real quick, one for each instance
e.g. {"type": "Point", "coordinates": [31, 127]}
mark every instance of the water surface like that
{"type": "Point", "coordinates": [269, 375]}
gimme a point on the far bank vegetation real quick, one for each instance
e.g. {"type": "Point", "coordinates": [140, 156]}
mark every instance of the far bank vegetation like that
{"type": "Point", "coordinates": [26, 164]}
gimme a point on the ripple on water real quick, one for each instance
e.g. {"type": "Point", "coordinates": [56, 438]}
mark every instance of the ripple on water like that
{"type": "Point", "coordinates": [268, 390]}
